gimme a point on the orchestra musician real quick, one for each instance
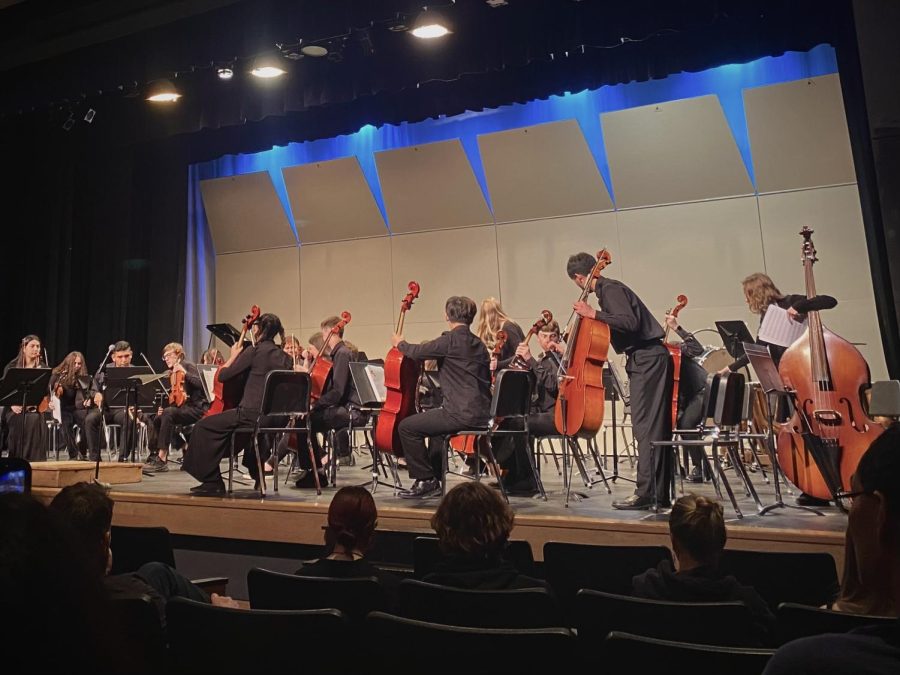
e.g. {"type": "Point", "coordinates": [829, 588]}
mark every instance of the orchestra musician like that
{"type": "Point", "coordinates": [192, 408]}
{"type": "Point", "coordinates": [26, 428]}
{"type": "Point", "coordinates": [492, 319]}
{"type": "Point", "coordinates": [211, 437]}
{"type": "Point", "coordinates": [465, 379]}
{"type": "Point", "coordinates": [212, 357]}
{"type": "Point", "coordinates": [78, 403]}
{"type": "Point", "coordinates": [636, 333]}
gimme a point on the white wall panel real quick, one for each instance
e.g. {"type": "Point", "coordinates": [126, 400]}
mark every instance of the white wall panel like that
{"type": "Point", "coordinates": [270, 279]}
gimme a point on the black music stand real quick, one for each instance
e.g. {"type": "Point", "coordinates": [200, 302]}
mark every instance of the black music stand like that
{"type": "Point", "coordinates": [734, 334]}
{"type": "Point", "coordinates": [26, 387]}
{"type": "Point", "coordinates": [614, 393]}
{"type": "Point", "coordinates": [770, 380]}
{"type": "Point", "coordinates": [227, 333]}
{"type": "Point", "coordinates": [137, 387]}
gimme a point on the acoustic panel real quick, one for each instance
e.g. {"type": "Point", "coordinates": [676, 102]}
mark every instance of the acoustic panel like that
{"type": "Point", "coordinates": [798, 134]}
{"type": "Point", "coordinates": [350, 275]}
{"type": "Point", "coordinates": [835, 216]}
{"type": "Point", "coordinates": [702, 250]}
{"type": "Point", "coordinates": [331, 201]}
{"type": "Point", "coordinates": [270, 279]}
{"type": "Point", "coordinates": [245, 214]}
{"type": "Point", "coordinates": [532, 261]}
{"type": "Point", "coordinates": [673, 152]}
{"type": "Point", "coordinates": [461, 262]}
{"type": "Point", "coordinates": [857, 322]}
{"type": "Point", "coordinates": [542, 171]}
{"type": "Point", "coordinates": [430, 187]}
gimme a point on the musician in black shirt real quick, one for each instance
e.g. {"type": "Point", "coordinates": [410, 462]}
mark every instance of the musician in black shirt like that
{"type": "Point", "coordinates": [464, 375]}
{"type": "Point", "coordinates": [491, 321]}
{"type": "Point", "coordinates": [193, 408]}
{"type": "Point", "coordinates": [211, 437]}
{"type": "Point", "coordinates": [634, 332]}
{"type": "Point", "coordinates": [71, 384]}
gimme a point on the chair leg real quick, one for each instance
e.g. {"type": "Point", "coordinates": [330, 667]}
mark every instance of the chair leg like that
{"type": "Point", "coordinates": [745, 475]}
{"type": "Point", "coordinates": [592, 445]}
{"type": "Point", "coordinates": [532, 450]}
{"type": "Point", "coordinates": [313, 463]}
{"type": "Point", "coordinates": [724, 479]}
{"type": "Point", "coordinates": [445, 466]}
{"type": "Point", "coordinates": [488, 445]}
{"type": "Point", "coordinates": [231, 467]}
{"type": "Point", "coordinates": [261, 474]}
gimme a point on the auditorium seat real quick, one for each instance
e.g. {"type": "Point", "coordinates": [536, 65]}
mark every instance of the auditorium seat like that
{"type": "Point", "coordinates": [804, 578]}
{"type": "Point", "coordinates": [797, 621]}
{"type": "Point", "coordinates": [627, 653]}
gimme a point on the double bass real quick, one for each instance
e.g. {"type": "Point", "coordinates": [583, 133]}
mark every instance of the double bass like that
{"type": "Point", "coordinates": [401, 379]}
{"type": "Point", "coordinates": [830, 429]}
{"type": "Point", "coordinates": [579, 406]}
{"type": "Point", "coordinates": [675, 353]}
{"type": "Point", "coordinates": [466, 443]}
{"type": "Point", "coordinates": [320, 368]}
{"type": "Point", "coordinates": [228, 395]}
{"type": "Point", "coordinates": [518, 363]}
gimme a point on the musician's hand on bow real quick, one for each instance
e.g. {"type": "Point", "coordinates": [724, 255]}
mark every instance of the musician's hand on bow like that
{"type": "Point", "coordinates": [724, 371]}
{"type": "Point", "coordinates": [524, 352]}
{"type": "Point", "coordinates": [583, 309]}
{"type": "Point", "coordinates": [98, 399]}
{"type": "Point", "coordinates": [397, 338]}
{"type": "Point", "coordinates": [17, 409]}
{"type": "Point", "coordinates": [672, 321]}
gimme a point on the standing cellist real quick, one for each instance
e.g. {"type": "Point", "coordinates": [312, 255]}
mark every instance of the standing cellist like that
{"type": "Point", "coordinates": [636, 333]}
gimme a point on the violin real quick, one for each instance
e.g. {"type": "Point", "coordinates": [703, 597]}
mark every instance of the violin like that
{"type": "Point", "coordinates": [579, 406]}
{"type": "Point", "coordinates": [675, 353]}
{"type": "Point", "coordinates": [401, 379]}
{"type": "Point", "coordinates": [321, 365]}
{"type": "Point", "coordinates": [466, 443]}
{"type": "Point", "coordinates": [228, 396]}
{"type": "Point", "coordinates": [830, 428]}
{"type": "Point", "coordinates": [177, 395]}
{"type": "Point", "coordinates": [518, 363]}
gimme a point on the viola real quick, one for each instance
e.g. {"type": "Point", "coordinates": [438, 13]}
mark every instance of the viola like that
{"type": "Point", "coordinates": [675, 353]}
{"type": "Point", "coordinates": [401, 378]}
{"type": "Point", "coordinates": [228, 395]}
{"type": "Point", "coordinates": [830, 429]}
{"type": "Point", "coordinates": [320, 368]}
{"type": "Point", "coordinates": [466, 443]}
{"type": "Point", "coordinates": [518, 363]}
{"type": "Point", "coordinates": [579, 406]}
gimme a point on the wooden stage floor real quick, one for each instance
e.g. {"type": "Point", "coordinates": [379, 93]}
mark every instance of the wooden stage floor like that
{"type": "Point", "coordinates": [295, 516]}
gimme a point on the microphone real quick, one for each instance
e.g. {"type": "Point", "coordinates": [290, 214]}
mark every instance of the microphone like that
{"type": "Point", "coordinates": [815, 304]}
{"type": "Point", "coordinates": [110, 348]}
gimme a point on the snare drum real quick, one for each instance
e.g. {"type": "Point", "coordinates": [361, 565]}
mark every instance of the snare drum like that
{"type": "Point", "coordinates": [713, 359]}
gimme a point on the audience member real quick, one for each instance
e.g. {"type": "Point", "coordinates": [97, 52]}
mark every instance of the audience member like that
{"type": "Point", "coordinates": [697, 530]}
{"type": "Point", "coordinates": [873, 529]}
{"type": "Point", "coordinates": [473, 524]}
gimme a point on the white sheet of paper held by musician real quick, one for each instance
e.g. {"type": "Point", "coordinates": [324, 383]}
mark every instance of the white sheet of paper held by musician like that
{"type": "Point", "coordinates": [778, 328]}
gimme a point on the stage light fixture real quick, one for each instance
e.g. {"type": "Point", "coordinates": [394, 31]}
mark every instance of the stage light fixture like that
{"type": "Point", "coordinates": [267, 66]}
{"type": "Point", "coordinates": [69, 123]}
{"type": "Point", "coordinates": [316, 51]}
{"type": "Point", "coordinates": [430, 25]}
{"type": "Point", "coordinates": [162, 91]}
{"type": "Point", "coordinates": [225, 73]}
{"type": "Point", "coordinates": [90, 115]}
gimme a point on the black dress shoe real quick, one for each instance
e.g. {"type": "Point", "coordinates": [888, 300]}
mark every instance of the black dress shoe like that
{"type": "Point", "coordinates": [696, 475]}
{"type": "Point", "coordinates": [633, 503]}
{"type": "Point", "coordinates": [804, 499]}
{"type": "Point", "coordinates": [421, 489]}
{"type": "Point", "coordinates": [208, 490]}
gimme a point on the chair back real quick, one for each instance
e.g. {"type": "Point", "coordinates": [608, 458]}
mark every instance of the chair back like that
{"type": "Point", "coordinates": [286, 393]}
{"type": "Point", "coordinates": [710, 396]}
{"type": "Point", "coordinates": [514, 608]}
{"type": "Point", "coordinates": [208, 639]}
{"type": "Point", "coordinates": [140, 626]}
{"type": "Point", "coordinates": [426, 555]}
{"type": "Point", "coordinates": [729, 400]}
{"type": "Point", "coordinates": [478, 650]}
{"type": "Point", "coordinates": [512, 393]}
{"type": "Point", "coordinates": [571, 567]}
{"type": "Point", "coordinates": [713, 623]}
{"type": "Point", "coordinates": [796, 621]}
{"type": "Point", "coordinates": [804, 578]}
{"type": "Point", "coordinates": [134, 546]}
{"type": "Point", "coordinates": [353, 597]}
{"type": "Point", "coordinates": [622, 651]}
{"type": "Point", "coordinates": [885, 400]}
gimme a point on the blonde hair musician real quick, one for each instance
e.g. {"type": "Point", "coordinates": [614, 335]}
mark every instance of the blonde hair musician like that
{"type": "Point", "coordinates": [491, 320]}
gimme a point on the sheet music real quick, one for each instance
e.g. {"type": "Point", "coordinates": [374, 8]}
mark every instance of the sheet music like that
{"type": "Point", "coordinates": [375, 373]}
{"type": "Point", "coordinates": [778, 328]}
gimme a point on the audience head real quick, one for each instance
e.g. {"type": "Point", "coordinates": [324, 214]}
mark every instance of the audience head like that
{"type": "Point", "coordinates": [267, 327]}
{"type": "Point", "coordinates": [760, 292]}
{"type": "Point", "coordinates": [697, 528]}
{"type": "Point", "coordinates": [352, 518]}
{"type": "Point", "coordinates": [87, 508]}
{"type": "Point", "coordinates": [473, 521]}
{"type": "Point", "coordinates": [122, 354]}
{"type": "Point", "coordinates": [460, 309]}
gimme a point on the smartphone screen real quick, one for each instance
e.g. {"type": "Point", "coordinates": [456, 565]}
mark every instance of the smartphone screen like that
{"type": "Point", "coordinates": [15, 476]}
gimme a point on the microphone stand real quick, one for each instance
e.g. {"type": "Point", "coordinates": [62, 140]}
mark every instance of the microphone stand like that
{"type": "Point", "coordinates": [97, 383]}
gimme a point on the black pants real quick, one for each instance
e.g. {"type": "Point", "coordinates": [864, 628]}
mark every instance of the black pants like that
{"type": "Point", "coordinates": [211, 441]}
{"type": "Point", "coordinates": [690, 414]}
{"type": "Point", "coordinates": [421, 462]}
{"type": "Point", "coordinates": [334, 418]}
{"type": "Point", "coordinates": [649, 375]}
{"type": "Point", "coordinates": [27, 436]}
{"type": "Point", "coordinates": [69, 418]}
{"type": "Point", "coordinates": [512, 451]}
{"type": "Point", "coordinates": [171, 417]}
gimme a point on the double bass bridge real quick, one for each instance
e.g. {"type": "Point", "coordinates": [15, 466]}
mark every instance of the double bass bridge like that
{"type": "Point", "coordinates": [828, 418]}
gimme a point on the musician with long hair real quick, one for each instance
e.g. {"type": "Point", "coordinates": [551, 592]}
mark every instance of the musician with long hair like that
{"type": "Point", "coordinates": [491, 320]}
{"type": "Point", "coordinates": [26, 427]}
{"type": "Point", "coordinates": [78, 402]}
{"type": "Point", "coordinates": [211, 438]}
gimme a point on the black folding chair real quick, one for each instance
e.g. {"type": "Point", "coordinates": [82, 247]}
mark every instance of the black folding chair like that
{"type": "Point", "coordinates": [623, 652]}
{"type": "Point", "coordinates": [140, 625]}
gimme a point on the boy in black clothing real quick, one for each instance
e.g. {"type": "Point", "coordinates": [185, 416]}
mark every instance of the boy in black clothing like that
{"type": "Point", "coordinates": [465, 378]}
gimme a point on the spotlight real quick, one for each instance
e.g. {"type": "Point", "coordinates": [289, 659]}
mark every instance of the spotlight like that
{"type": "Point", "coordinates": [315, 51]}
{"type": "Point", "coordinates": [268, 66]}
{"type": "Point", "coordinates": [225, 73]}
{"type": "Point", "coordinates": [162, 91]}
{"type": "Point", "coordinates": [89, 115]}
{"type": "Point", "coordinates": [429, 25]}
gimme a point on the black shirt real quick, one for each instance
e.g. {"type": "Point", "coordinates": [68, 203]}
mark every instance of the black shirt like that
{"type": "Point", "coordinates": [631, 324]}
{"type": "Point", "coordinates": [256, 362]}
{"type": "Point", "coordinates": [546, 386]}
{"type": "Point", "coordinates": [692, 378]}
{"type": "Point", "coordinates": [514, 337]}
{"type": "Point", "coordinates": [463, 371]}
{"type": "Point", "coordinates": [339, 389]}
{"type": "Point", "coordinates": [777, 351]}
{"type": "Point", "coordinates": [74, 395]}
{"type": "Point", "coordinates": [481, 574]}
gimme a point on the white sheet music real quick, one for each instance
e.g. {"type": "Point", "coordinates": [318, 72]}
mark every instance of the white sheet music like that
{"type": "Point", "coordinates": [778, 328]}
{"type": "Point", "coordinates": [375, 374]}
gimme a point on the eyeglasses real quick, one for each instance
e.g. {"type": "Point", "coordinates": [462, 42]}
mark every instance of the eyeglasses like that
{"type": "Point", "coordinates": [167, 355]}
{"type": "Point", "coordinates": [848, 497]}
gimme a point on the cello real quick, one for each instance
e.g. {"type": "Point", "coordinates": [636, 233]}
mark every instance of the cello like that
{"type": "Point", "coordinates": [579, 406]}
{"type": "Point", "coordinates": [830, 429]}
{"type": "Point", "coordinates": [675, 353]}
{"type": "Point", "coordinates": [465, 443]}
{"type": "Point", "coordinates": [320, 368]}
{"type": "Point", "coordinates": [228, 396]}
{"type": "Point", "coordinates": [518, 363]}
{"type": "Point", "coordinates": [401, 379]}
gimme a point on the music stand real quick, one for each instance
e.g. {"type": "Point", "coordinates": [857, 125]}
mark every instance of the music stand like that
{"type": "Point", "coordinates": [26, 387]}
{"type": "Point", "coordinates": [734, 334]}
{"type": "Point", "coordinates": [137, 387]}
{"type": "Point", "coordinates": [770, 380]}
{"type": "Point", "coordinates": [613, 394]}
{"type": "Point", "coordinates": [207, 379]}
